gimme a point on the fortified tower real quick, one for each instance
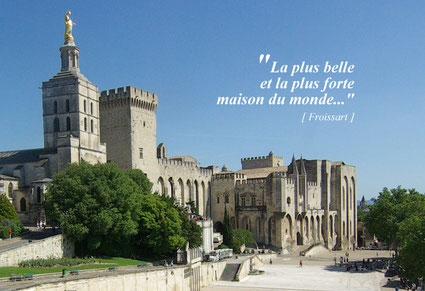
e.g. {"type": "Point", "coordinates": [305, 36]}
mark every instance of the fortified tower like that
{"type": "Point", "coordinates": [128, 126]}
{"type": "Point", "coordinates": [71, 111]}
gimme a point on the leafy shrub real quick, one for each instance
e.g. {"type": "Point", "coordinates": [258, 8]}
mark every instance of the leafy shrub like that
{"type": "Point", "coordinates": [52, 262]}
{"type": "Point", "coordinates": [15, 226]}
{"type": "Point", "coordinates": [7, 211]}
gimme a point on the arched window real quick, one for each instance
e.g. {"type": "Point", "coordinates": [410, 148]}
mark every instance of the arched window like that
{"type": "Point", "coordinates": [38, 194]}
{"type": "Point", "coordinates": [68, 123]}
{"type": "Point", "coordinates": [67, 105]}
{"type": "Point", "coordinates": [85, 124]}
{"type": "Point", "coordinates": [91, 125]}
{"type": "Point", "coordinates": [85, 105]}
{"type": "Point", "coordinates": [56, 125]}
{"type": "Point", "coordinates": [23, 204]}
{"type": "Point", "coordinates": [10, 189]}
{"type": "Point", "coordinates": [91, 107]}
{"type": "Point", "coordinates": [55, 107]}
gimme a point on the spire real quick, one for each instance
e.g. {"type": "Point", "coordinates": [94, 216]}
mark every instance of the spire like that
{"type": "Point", "coordinates": [294, 165]}
{"type": "Point", "coordinates": [303, 171]}
{"type": "Point", "coordinates": [70, 58]}
{"type": "Point", "coordinates": [69, 51]}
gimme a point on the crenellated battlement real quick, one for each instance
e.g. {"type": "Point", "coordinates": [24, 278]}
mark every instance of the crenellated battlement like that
{"type": "Point", "coordinates": [290, 181]}
{"type": "Point", "coordinates": [129, 96]}
{"type": "Point", "coordinates": [251, 181]}
{"type": "Point", "coordinates": [228, 176]}
{"type": "Point", "coordinates": [262, 161]}
{"type": "Point", "coordinates": [312, 183]}
{"type": "Point", "coordinates": [178, 163]}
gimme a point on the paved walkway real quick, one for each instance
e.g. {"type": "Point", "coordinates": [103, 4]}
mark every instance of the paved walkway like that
{"type": "Point", "coordinates": [34, 234]}
{"type": "Point", "coordinates": [318, 273]}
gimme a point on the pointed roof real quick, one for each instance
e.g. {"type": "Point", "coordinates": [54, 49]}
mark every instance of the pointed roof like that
{"type": "Point", "coordinates": [303, 171]}
{"type": "Point", "coordinates": [294, 165]}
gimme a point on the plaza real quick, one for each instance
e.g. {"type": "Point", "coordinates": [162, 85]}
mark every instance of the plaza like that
{"type": "Point", "coordinates": [317, 273]}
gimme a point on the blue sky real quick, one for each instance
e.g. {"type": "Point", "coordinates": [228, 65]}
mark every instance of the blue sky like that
{"type": "Point", "coordinates": [191, 52]}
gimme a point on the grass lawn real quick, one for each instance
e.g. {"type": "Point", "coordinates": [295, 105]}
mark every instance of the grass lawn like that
{"type": "Point", "coordinates": [104, 263]}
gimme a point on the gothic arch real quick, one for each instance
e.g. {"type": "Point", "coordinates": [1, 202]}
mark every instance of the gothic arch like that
{"type": "Point", "coordinates": [258, 227]}
{"type": "Point", "coordinates": [246, 223]}
{"type": "Point", "coordinates": [347, 207]}
{"type": "Point", "coordinates": [313, 233]}
{"type": "Point", "coordinates": [189, 190]}
{"type": "Point", "coordinates": [331, 226]}
{"type": "Point", "coordinates": [306, 229]}
{"type": "Point", "coordinates": [23, 204]}
{"type": "Point", "coordinates": [171, 191]}
{"type": "Point", "coordinates": [68, 123]}
{"type": "Point", "coordinates": [56, 125]}
{"type": "Point", "coordinates": [318, 227]}
{"type": "Point", "coordinates": [181, 189]}
{"type": "Point", "coordinates": [287, 224]}
{"type": "Point", "coordinates": [161, 186]}
{"type": "Point", "coordinates": [197, 195]}
{"type": "Point", "coordinates": [202, 202]}
{"type": "Point", "coordinates": [38, 195]}
{"type": "Point", "coordinates": [218, 226]}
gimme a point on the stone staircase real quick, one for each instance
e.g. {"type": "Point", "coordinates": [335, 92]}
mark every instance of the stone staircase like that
{"type": "Point", "coordinates": [230, 271]}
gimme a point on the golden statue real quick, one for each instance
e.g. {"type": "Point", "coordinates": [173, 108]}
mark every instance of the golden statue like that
{"type": "Point", "coordinates": [68, 27]}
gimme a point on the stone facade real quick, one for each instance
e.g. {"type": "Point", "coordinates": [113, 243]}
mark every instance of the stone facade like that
{"type": "Point", "coordinates": [304, 203]}
{"type": "Point", "coordinates": [71, 134]}
{"type": "Point", "coordinates": [128, 127]}
{"type": "Point", "coordinates": [308, 202]}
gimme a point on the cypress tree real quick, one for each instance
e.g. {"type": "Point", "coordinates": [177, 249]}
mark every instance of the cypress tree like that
{"type": "Point", "coordinates": [227, 230]}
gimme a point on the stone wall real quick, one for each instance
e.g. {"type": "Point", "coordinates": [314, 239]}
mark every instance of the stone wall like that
{"type": "Point", "coordinates": [176, 278]}
{"type": "Point", "coordinates": [56, 246]}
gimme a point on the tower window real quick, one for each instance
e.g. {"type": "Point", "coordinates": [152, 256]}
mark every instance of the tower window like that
{"type": "Point", "coordinates": [141, 153]}
{"type": "Point", "coordinates": [68, 123]}
{"type": "Point", "coordinates": [91, 108]}
{"type": "Point", "coordinates": [85, 124]}
{"type": "Point", "coordinates": [226, 199]}
{"type": "Point", "coordinates": [56, 125]}
{"type": "Point", "coordinates": [91, 125]}
{"type": "Point", "coordinates": [218, 199]}
{"type": "Point", "coordinates": [23, 204]}
{"type": "Point", "coordinates": [85, 105]}
{"type": "Point", "coordinates": [55, 107]}
{"type": "Point", "coordinates": [253, 201]}
{"type": "Point", "coordinates": [38, 194]}
{"type": "Point", "coordinates": [67, 105]}
{"type": "Point", "coordinates": [243, 201]}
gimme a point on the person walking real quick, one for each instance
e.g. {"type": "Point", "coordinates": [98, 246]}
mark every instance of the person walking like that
{"type": "Point", "coordinates": [10, 234]}
{"type": "Point", "coordinates": [301, 263]}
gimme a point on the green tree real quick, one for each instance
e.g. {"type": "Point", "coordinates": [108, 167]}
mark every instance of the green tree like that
{"type": "Point", "coordinates": [227, 229]}
{"type": "Point", "coordinates": [388, 211]}
{"type": "Point", "coordinates": [242, 237]}
{"type": "Point", "coordinates": [97, 206]}
{"type": "Point", "coordinates": [141, 179]}
{"type": "Point", "coordinates": [397, 218]}
{"type": "Point", "coordinates": [160, 230]}
{"type": "Point", "coordinates": [7, 211]}
{"type": "Point", "coordinates": [8, 218]}
{"type": "Point", "coordinates": [110, 212]}
{"type": "Point", "coordinates": [412, 251]}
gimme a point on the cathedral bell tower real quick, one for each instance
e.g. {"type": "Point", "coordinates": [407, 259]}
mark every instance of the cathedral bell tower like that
{"type": "Point", "coordinates": [71, 110]}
